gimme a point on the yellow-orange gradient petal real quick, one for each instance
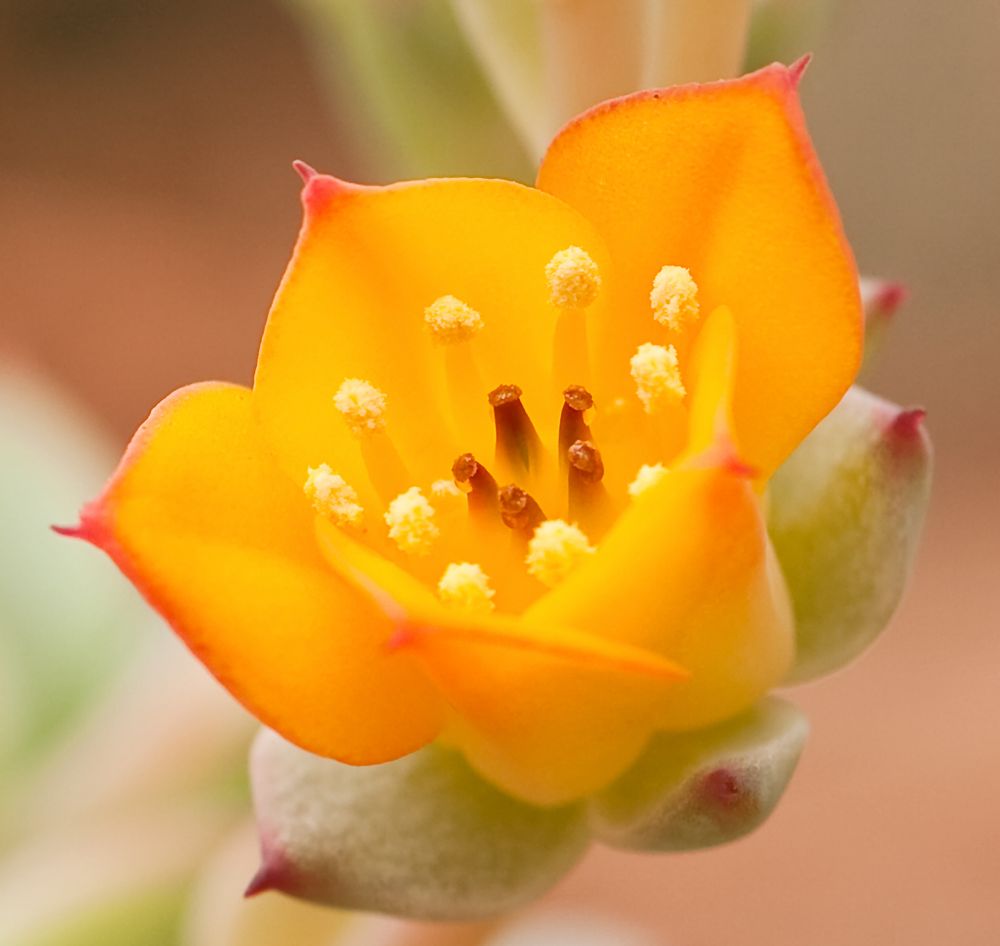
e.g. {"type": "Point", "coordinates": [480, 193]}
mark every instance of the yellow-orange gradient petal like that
{"type": "Point", "coordinates": [548, 713]}
{"type": "Point", "coordinates": [722, 179]}
{"type": "Point", "coordinates": [687, 572]}
{"type": "Point", "coordinates": [202, 521]}
{"type": "Point", "coordinates": [368, 262]}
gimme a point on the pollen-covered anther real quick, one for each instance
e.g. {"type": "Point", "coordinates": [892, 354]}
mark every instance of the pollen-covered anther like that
{"type": "Point", "coordinates": [647, 477]}
{"type": "Point", "coordinates": [555, 550]}
{"type": "Point", "coordinates": [362, 404]}
{"type": "Point", "coordinates": [657, 376]}
{"type": "Point", "coordinates": [332, 496]}
{"type": "Point", "coordinates": [445, 489]}
{"type": "Point", "coordinates": [450, 320]}
{"type": "Point", "coordinates": [466, 587]}
{"type": "Point", "coordinates": [410, 518]}
{"type": "Point", "coordinates": [574, 278]}
{"type": "Point", "coordinates": [674, 297]}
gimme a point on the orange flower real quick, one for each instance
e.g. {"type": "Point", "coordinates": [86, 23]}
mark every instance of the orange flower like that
{"type": "Point", "coordinates": [627, 351]}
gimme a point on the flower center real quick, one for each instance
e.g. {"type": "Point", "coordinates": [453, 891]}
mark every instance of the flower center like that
{"type": "Point", "coordinates": [498, 533]}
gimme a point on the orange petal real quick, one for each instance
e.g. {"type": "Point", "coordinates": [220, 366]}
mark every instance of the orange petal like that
{"type": "Point", "coordinates": [723, 179]}
{"type": "Point", "coordinates": [545, 712]}
{"type": "Point", "coordinates": [687, 572]}
{"type": "Point", "coordinates": [368, 262]}
{"type": "Point", "coordinates": [201, 520]}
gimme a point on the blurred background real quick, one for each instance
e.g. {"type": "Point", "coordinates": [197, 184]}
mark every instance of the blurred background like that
{"type": "Point", "coordinates": [147, 209]}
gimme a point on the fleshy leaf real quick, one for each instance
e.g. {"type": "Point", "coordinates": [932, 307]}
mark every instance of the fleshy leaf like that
{"type": "Point", "coordinates": [421, 837]}
{"type": "Point", "coordinates": [845, 517]}
{"type": "Point", "coordinates": [703, 788]}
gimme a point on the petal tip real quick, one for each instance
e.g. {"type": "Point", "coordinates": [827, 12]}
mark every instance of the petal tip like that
{"type": "Point", "coordinates": [90, 527]}
{"type": "Point", "coordinates": [798, 69]}
{"type": "Point", "coordinates": [306, 171]}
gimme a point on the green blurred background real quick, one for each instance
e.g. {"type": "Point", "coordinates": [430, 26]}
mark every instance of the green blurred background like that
{"type": "Point", "coordinates": [147, 208]}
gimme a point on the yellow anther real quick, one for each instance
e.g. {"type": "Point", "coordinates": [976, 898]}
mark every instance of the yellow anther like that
{"type": "Point", "coordinates": [555, 549]}
{"type": "Point", "coordinates": [674, 297]}
{"type": "Point", "coordinates": [410, 518]}
{"type": "Point", "coordinates": [362, 404]}
{"type": "Point", "coordinates": [657, 376]}
{"type": "Point", "coordinates": [445, 489]}
{"type": "Point", "coordinates": [466, 587]}
{"type": "Point", "coordinates": [647, 477]}
{"type": "Point", "coordinates": [332, 496]}
{"type": "Point", "coordinates": [450, 320]}
{"type": "Point", "coordinates": [574, 279]}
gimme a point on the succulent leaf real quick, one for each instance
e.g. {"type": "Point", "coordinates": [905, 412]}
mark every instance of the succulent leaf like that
{"type": "Point", "coordinates": [699, 789]}
{"type": "Point", "coordinates": [421, 837]}
{"type": "Point", "coordinates": [845, 518]}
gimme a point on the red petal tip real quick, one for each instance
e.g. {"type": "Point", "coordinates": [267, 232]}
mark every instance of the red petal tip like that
{"type": "Point", "coordinates": [305, 171]}
{"type": "Point", "coordinates": [798, 68]}
{"type": "Point", "coordinates": [907, 424]}
{"type": "Point", "coordinates": [72, 532]}
{"type": "Point", "coordinates": [890, 297]}
{"type": "Point", "coordinates": [402, 637]}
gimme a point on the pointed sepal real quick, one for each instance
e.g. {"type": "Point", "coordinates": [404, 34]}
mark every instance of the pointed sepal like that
{"type": "Point", "coordinates": [845, 517]}
{"type": "Point", "coordinates": [422, 837]}
{"type": "Point", "coordinates": [699, 789]}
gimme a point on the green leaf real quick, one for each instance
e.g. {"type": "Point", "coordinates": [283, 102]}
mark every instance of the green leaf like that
{"type": "Point", "coordinates": [846, 513]}
{"type": "Point", "coordinates": [700, 789]}
{"type": "Point", "coordinates": [422, 837]}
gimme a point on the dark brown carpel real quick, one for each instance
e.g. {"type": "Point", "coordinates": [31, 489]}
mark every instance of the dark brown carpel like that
{"type": "Point", "coordinates": [519, 511]}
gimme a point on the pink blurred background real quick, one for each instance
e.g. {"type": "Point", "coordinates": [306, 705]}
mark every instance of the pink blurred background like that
{"type": "Point", "coordinates": [148, 207]}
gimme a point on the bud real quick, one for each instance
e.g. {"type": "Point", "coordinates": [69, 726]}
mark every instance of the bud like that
{"type": "Point", "coordinates": [845, 517]}
{"type": "Point", "coordinates": [700, 789]}
{"type": "Point", "coordinates": [422, 837]}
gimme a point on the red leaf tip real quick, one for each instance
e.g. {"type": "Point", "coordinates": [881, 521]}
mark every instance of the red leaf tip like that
{"type": "Point", "coordinates": [890, 296]}
{"type": "Point", "coordinates": [907, 424]}
{"type": "Point", "coordinates": [798, 68]}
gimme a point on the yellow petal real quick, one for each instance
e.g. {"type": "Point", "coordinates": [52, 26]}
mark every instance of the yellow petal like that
{"type": "Point", "coordinates": [369, 261]}
{"type": "Point", "coordinates": [722, 179]}
{"type": "Point", "coordinates": [687, 572]}
{"type": "Point", "coordinates": [547, 713]}
{"type": "Point", "coordinates": [201, 520]}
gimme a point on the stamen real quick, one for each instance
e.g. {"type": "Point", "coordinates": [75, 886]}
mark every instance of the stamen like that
{"type": "Point", "coordinates": [657, 376]}
{"type": "Point", "coordinates": [332, 496]}
{"type": "Point", "coordinates": [362, 404]}
{"type": "Point", "coordinates": [450, 320]}
{"type": "Point", "coordinates": [555, 550]}
{"type": "Point", "coordinates": [410, 518]}
{"type": "Point", "coordinates": [519, 511]}
{"type": "Point", "coordinates": [482, 495]}
{"type": "Point", "coordinates": [518, 446]}
{"type": "Point", "coordinates": [573, 277]}
{"type": "Point", "coordinates": [572, 426]}
{"type": "Point", "coordinates": [466, 587]}
{"type": "Point", "coordinates": [647, 477]}
{"type": "Point", "coordinates": [674, 297]}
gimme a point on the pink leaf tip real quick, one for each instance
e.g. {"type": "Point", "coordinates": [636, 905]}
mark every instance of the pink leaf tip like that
{"type": "Point", "coordinates": [890, 296]}
{"type": "Point", "coordinates": [907, 424]}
